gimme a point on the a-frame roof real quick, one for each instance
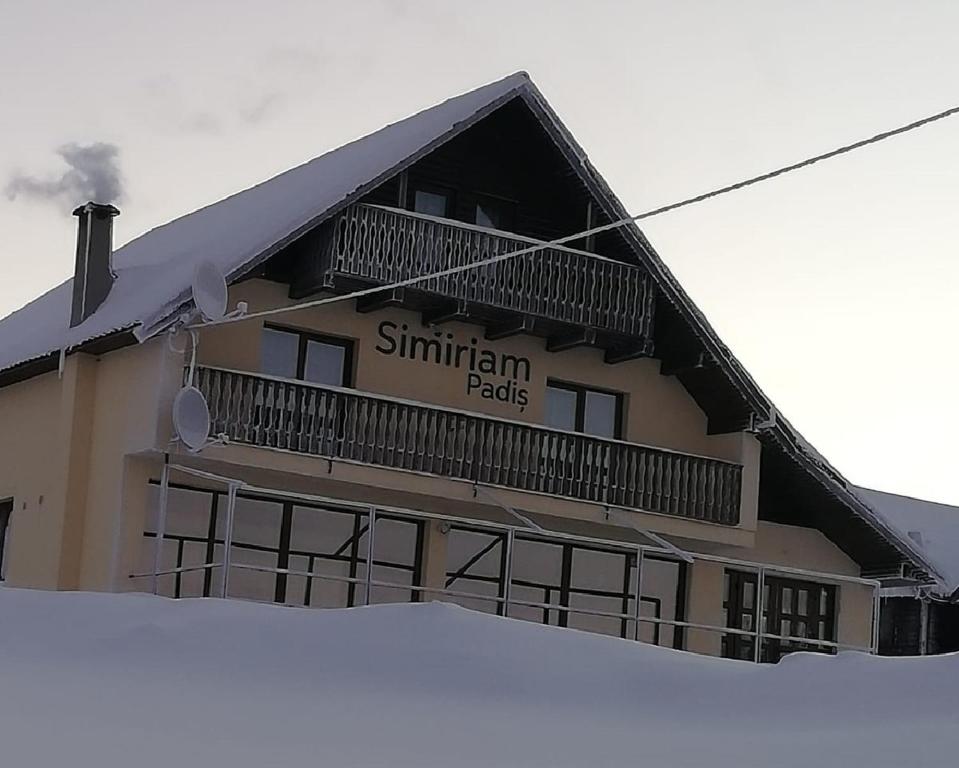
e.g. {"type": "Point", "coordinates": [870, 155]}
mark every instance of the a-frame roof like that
{"type": "Point", "coordinates": [153, 274]}
{"type": "Point", "coordinates": [154, 271]}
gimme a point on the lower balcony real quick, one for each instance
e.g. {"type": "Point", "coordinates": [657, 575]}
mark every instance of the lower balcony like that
{"type": "Point", "coordinates": [381, 431]}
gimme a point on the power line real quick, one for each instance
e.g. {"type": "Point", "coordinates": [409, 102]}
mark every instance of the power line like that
{"type": "Point", "coordinates": [604, 227]}
{"type": "Point", "coordinates": [794, 167]}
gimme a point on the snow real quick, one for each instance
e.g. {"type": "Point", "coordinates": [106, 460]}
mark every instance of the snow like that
{"type": "Point", "coordinates": [933, 527]}
{"type": "Point", "coordinates": [154, 270]}
{"type": "Point", "coordinates": [116, 680]}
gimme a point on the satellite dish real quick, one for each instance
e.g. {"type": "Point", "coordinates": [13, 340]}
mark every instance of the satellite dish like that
{"type": "Point", "coordinates": [209, 290]}
{"type": "Point", "coordinates": [191, 418]}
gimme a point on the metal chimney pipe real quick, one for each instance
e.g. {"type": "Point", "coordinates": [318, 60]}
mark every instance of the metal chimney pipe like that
{"type": "Point", "coordinates": [93, 276]}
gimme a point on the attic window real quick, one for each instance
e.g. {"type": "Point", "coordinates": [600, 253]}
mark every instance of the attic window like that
{"type": "Point", "coordinates": [494, 213]}
{"type": "Point", "coordinates": [433, 201]}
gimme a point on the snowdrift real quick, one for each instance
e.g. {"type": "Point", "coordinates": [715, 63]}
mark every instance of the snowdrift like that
{"type": "Point", "coordinates": [132, 680]}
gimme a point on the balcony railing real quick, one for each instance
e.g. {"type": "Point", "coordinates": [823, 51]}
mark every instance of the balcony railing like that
{"type": "Point", "coordinates": [385, 245]}
{"type": "Point", "coordinates": [371, 429]}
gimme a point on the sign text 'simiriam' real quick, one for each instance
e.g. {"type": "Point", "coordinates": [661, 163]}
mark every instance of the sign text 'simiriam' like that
{"type": "Point", "coordinates": [484, 367]}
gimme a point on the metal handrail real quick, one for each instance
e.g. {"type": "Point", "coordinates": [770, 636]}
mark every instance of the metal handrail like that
{"type": "Point", "coordinates": [506, 599]}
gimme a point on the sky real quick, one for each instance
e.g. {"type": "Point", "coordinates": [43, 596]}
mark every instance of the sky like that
{"type": "Point", "coordinates": [837, 286]}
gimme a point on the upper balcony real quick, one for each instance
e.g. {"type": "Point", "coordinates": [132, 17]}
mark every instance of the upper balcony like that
{"type": "Point", "coordinates": [371, 429]}
{"type": "Point", "coordinates": [566, 295]}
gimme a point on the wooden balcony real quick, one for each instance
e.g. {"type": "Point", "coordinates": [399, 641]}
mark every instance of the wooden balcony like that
{"type": "Point", "coordinates": [371, 429]}
{"type": "Point", "coordinates": [556, 292]}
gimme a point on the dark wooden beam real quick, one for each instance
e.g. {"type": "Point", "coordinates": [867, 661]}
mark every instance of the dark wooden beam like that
{"type": "Point", "coordinates": [372, 302]}
{"type": "Point", "coordinates": [513, 327]}
{"type": "Point", "coordinates": [693, 362]}
{"type": "Point", "coordinates": [577, 338]}
{"type": "Point", "coordinates": [446, 312]}
{"type": "Point", "coordinates": [722, 424]}
{"type": "Point", "coordinates": [626, 352]}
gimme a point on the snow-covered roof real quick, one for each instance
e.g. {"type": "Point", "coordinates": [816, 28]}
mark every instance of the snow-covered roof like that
{"type": "Point", "coordinates": [933, 527]}
{"type": "Point", "coordinates": [155, 270]}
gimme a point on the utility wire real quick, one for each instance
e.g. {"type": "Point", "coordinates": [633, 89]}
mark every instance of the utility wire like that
{"type": "Point", "coordinates": [233, 318]}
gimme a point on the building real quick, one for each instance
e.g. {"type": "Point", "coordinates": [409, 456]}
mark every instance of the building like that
{"type": "Point", "coordinates": [549, 436]}
{"type": "Point", "coordinates": [920, 619]}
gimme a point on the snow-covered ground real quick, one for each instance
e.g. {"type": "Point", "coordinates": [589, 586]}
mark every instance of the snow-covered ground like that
{"type": "Point", "coordinates": [131, 680]}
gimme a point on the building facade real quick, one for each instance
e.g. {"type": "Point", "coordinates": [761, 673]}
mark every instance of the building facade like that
{"type": "Point", "coordinates": [555, 434]}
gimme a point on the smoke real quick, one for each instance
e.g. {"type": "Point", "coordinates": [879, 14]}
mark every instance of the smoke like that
{"type": "Point", "coordinates": [93, 174]}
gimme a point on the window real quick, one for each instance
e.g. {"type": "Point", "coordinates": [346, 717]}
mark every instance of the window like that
{"type": "Point", "coordinates": [307, 356]}
{"type": "Point", "coordinates": [433, 201]}
{"type": "Point", "coordinates": [494, 213]}
{"type": "Point", "coordinates": [277, 545]}
{"type": "Point", "coordinates": [580, 409]}
{"type": "Point", "coordinates": [597, 584]}
{"type": "Point", "coordinates": [791, 609]}
{"type": "Point", "coordinates": [6, 508]}
{"type": "Point", "coordinates": [475, 565]}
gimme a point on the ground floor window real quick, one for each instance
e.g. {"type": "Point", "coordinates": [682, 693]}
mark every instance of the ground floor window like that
{"type": "Point", "coordinates": [299, 539]}
{"type": "Point", "coordinates": [596, 584]}
{"type": "Point", "coordinates": [287, 551]}
{"type": "Point", "coordinates": [792, 609]}
{"type": "Point", "coordinates": [6, 509]}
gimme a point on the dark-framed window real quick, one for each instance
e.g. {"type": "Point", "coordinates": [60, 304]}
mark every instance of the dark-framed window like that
{"type": "Point", "coordinates": [295, 354]}
{"type": "Point", "coordinates": [791, 608]}
{"type": "Point", "coordinates": [279, 534]}
{"type": "Point", "coordinates": [577, 408]}
{"type": "Point", "coordinates": [563, 574]}
{"type": "Point", "coordinates": [432, 200]}
{"type": "Point", "coordinates": [494, 213]}
{"type": "Point", "coordinates": [6, 509]}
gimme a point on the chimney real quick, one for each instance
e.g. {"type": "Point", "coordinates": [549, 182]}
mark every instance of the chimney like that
{"type": "Point", "coordinates": [94, 272]}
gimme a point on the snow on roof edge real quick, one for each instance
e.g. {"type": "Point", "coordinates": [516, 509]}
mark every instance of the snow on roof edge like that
{"type": "Point", "coordinates": [154, 270]}
{"type": "Point", "coordinates": [936, 523]}
{"type": "Point", "coordinates": [829, 474]}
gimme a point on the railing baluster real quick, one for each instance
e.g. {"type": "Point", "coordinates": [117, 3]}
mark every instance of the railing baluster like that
{"type": "Point", "coordinates": [339, 423]}
{"type": "Point", "coordinates": [385, 245]}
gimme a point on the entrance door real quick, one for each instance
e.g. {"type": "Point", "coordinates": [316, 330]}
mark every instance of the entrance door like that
{"type": "Point", "coordinates": [793, 610]}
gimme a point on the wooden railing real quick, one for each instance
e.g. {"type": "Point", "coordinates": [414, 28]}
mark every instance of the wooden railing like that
{"type": "Point", "coordinates": [386, 245]}
{"type": "Point", "coordinates": [372, 429]}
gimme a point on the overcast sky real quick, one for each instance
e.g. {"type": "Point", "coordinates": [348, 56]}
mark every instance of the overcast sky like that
{"type": "Point", "coordinates": [838, 286]}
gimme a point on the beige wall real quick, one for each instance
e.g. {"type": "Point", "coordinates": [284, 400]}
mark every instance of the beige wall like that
{"type": "Point", "coordinates": [72, 469]}
{"type": "Point", "coordinates": [33, 472]}
{"type": "Point", "coordinates": [705, 606]}
{"type": "Point", "coordinates": [658, 410]}
{"type": "Point", "coordinates": [131, 418]}
{"type": "Point", "coordinates": [87, 443]}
